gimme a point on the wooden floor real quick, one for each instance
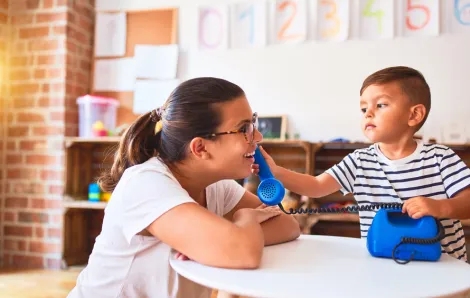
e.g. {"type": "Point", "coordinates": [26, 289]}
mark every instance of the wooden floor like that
{"type": "Point", "coordinates": [37, 283]}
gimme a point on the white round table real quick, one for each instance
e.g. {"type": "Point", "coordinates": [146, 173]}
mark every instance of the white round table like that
{"type": "Point", "coordinates": [327, 266]}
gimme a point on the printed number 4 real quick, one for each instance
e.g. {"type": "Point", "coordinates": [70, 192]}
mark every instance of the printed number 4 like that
{"type": "Point", "coordinates": [409, 7]}
{"type": "Point", "coordinates": [367, 12]}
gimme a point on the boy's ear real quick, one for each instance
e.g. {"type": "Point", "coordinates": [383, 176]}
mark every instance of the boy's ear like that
{"type": "Point", "coordinates": [197, 146]}
{"type": "Point", "coordinates": [417, 115]}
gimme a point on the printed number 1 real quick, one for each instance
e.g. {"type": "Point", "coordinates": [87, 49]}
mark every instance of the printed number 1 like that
{"type": "Point", "coordinates": [249, 13]}
{"type": "Point", "coordinates": [283, 6]}
{"type": "Point", "coordinates": [378, 14]}
{"type": "Point", "coordinates": [331, 16]}
{"type": "Point", "coordinates": [424, 8]}
{"type": "Point", "coordinates": [460, 11]}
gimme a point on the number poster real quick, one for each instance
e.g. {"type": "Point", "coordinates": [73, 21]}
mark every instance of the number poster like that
{"type": "Point", "coordinates": [257, 23]}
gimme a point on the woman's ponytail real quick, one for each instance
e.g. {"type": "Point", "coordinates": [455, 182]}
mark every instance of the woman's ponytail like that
{"type": "Point", "coordinates": [138, 144]}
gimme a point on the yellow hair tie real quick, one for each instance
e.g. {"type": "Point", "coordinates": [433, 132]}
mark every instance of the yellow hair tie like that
{"type": "Point", "coordinates": [158, 126]}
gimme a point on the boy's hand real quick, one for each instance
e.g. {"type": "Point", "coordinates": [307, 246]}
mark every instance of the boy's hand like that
{"type": "Point", "coordinates": [269, 160]}
{"type": "Point", "coordinates": [418, 207]}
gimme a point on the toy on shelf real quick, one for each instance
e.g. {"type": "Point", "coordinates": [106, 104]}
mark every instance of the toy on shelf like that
{"type": "Point", "coordinates": [94, 192]}
{"type": "Point", "coordinates": [97, 116]}
{"type": "Point", "coordinates": [99, 130]}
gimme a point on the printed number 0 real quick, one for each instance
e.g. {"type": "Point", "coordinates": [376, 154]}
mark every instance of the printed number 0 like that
{"type": "Point", "coordinates": [201, 29]}
{"type": "Point", "coordinates": [331, 16]}
{"type": "Point", "coordinates": [378, 14]}
{"type": "Point", "coordinates": [424, 8]}
{"type": "Point", "coordinates": [283, 6]}
{"type": "Point", "coordinates": [460, 11]}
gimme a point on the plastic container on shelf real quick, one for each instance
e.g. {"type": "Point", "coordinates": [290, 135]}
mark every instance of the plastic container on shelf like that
{"type": "Point", "coordinates": [96, 116]}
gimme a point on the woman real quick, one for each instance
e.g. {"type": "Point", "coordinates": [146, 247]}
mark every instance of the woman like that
{"type": "Point", "coordinates": [174, 193]}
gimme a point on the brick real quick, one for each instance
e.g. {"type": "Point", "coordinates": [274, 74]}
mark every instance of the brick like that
{"type": "Point", "coordinates": [20, 5]}
{"type": "Point", "coordinates": [43, 45]}
{"type": "Point", "coordinates": [51, 175]}
{"type": "Point", "coordinates": [38, 32]}
{"type": "Point", "coordinates": [18, 131]}
{"type": "Point", "coordinates": [39, 232]}
{"type": "Point", "coordinates": [52, 59]}
{"type": "Point", "coordinates": [9, 230]}
{"type": "Point", "coordinates": [47, 131]}
{"type": "Point", "coordinates": [15, 245]}
{"type": "Point", "coordinates": [14, 159]}
{"type": "Point", "coordinates": [54, 233]}
{"type": "Point", "coordinates": [27, 188]}
{"type": "Point", "coordinates": [24, 89]}
{"type": "Point", "coordinates": [11, 145]}
{"type": "Point", "coordinates": [23, 19]}
{"type": "Point", "coordinates": [38, 159]}
{"type": "Point", "coordinates": [3, 19]}
{"type": "Point", "coordinates": [23, 102]}
{"type": "Point", "coordinates": [50, 17]}
{"type": "Point", "coordinates": [56, 116]}
{"type": "Point", "coordinates": [4, 4]}
{"type": "Point", "coordinates": [29, 217]}
{"type": "Point", "coordinates": [30, 117]}
{"type": "Point", "coordinates": [16, 202]}
{"type": "Point", "coordinates": [48, 4]}
{"type": "Point", "coordinates": [51, 102]}
{"type": "Point", "coordinates": [33, 145]}
{"type": "Point", "coordinates": [24, 261]}
{"type": "Point", "coordinates": [53, 204]}
{"type": "Point", "coordinates": [19, 173]}
{"type": "Point", "coordinates": [40, 74]}
{"type": "Point", "coordinates": [20, 61]}
{"type": "Point", "coordinates": [44, 247]}
{"type": "Point", "coordinates": [20, 75]}
{"type": "Point", "coordinates": [9, 216]}
{"type": "Point", "coordinates": [59, 30]}
{"type": "Point", "coordinates": [55, 73]}
{"type": "Point", "coordinates": [56, 189]}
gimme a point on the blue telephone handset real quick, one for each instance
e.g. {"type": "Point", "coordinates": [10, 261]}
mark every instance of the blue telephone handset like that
{"type": "Point", "coordinates": [392, 234]}
{"type": "Point", "coordinates": [270, 190]}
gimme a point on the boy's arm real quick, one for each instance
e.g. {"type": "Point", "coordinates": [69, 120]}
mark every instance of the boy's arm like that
{"type": "Point", "coordinates": [458, 207]}
{"type": "Point", "coordinates": [276, 230]}
{"type": "Point", "coordinates": [307, 185]}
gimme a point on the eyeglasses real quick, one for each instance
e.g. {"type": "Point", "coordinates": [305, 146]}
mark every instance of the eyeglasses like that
{"type": "Point", "coordinates": [248, 130]}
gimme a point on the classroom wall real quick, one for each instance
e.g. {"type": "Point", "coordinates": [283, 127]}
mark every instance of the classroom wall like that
{"type": "Point", "coordinates": [317, 84]}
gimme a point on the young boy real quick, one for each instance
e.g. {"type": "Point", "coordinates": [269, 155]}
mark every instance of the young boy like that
{"type": "Point", "coordinates": [430, 179]}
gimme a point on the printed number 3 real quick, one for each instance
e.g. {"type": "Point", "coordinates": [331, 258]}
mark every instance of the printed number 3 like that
{"type": "Point", "coordinates": [410, 6]}
{"type": "Point", "coordinates": [282, 32]}
{"type": "Point", "coordinates": [331, 16]}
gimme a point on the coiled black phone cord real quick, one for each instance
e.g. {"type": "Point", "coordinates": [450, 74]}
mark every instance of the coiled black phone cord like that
{"type": "Point", "coordinates": [404, 240]}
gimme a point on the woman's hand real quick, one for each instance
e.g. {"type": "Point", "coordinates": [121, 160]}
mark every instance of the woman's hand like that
{"type": "Point", "coordinates": [259, 214]}
{"type": "Point", "coordinates": [180, 256]}
{"type": "Point", "coordinates": [269, 160]}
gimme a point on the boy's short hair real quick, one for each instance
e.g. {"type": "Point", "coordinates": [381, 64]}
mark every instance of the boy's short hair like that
{"type": "Point", "coordinates": [411, 81]}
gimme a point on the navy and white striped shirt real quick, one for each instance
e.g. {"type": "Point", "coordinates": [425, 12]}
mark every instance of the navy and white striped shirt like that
{"type": "Point", "coordinates": [432, 171]}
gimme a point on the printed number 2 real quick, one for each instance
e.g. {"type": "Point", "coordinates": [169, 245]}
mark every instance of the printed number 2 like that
{"type": "Point", "coordinates": [282, 32]}
{"type": "Point", "coordinates": [460, 11]}
{"type": "Point", "coordinates": [249, 13]}
{"type": "Point", "coordinates": [378, 14]}
{"type": "Point", "coordinates": [423, 8]}
{"type": "Point", "coordinates": [331, 16]}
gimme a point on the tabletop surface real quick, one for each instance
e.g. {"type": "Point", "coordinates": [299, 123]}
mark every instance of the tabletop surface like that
{"type": "Point", "coordinates": [327, 266]}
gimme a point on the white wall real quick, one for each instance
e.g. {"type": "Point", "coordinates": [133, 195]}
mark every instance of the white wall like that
{"type": "Point", "coordinates": [317, 84]}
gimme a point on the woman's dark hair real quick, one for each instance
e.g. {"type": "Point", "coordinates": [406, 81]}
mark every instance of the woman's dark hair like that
{"type": "Point", "coordinates": [188, 112]}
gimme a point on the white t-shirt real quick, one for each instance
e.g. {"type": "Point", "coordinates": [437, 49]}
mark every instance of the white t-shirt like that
{"type": "Point", "coordinates": [124, 264]}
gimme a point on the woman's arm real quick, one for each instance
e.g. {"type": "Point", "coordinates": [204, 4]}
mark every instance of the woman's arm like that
{"type": "Point", "coordinates": [276, 230]}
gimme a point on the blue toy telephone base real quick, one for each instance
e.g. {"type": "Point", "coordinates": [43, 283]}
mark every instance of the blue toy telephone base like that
{"type": "Point", "coordinates": [393, 234]}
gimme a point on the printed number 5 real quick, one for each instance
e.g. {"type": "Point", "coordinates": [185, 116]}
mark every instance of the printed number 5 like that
{"type": "Point", "coordinates": [331, 16]}
{"type": "Point", "coordinates": [410, 6]}
{"type": "Point", "coordinates": [460, 11]}
{"type": "Point", "coordinates": [282, 32]}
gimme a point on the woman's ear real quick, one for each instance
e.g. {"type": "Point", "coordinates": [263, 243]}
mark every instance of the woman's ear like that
{"type": "Point", "coordinates": [197, 146]}
{"type": "Point", "coordinates": [417, 115]}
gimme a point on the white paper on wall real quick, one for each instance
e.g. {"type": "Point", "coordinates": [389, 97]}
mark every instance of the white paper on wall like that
{"type": "Point", "coordinates": [151, 94]}
{"type": "Point", "coordinates": [156, 62]}
{"type": "Point", "coordinates": [110, 34]}
{"type": "Point", "coordinates": [114, 75]}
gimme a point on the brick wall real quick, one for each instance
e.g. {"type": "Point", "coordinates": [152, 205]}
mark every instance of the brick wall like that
{"type": "Point", "coordinates": [50, 50]}
{"type": "Point", "coordinates": [3, 99]}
